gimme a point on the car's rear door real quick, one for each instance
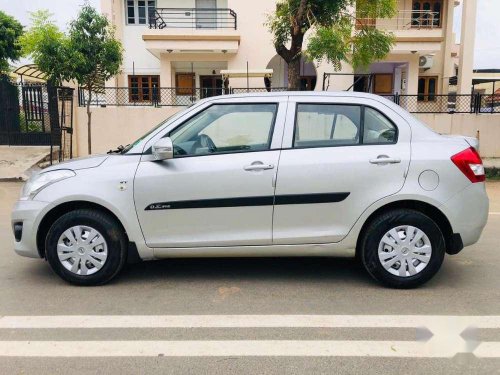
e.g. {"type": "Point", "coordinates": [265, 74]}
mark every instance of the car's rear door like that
{"type": "Point", "coordinates": [340, 155]}
{"type": "Point", "coordinates": [220, 197]}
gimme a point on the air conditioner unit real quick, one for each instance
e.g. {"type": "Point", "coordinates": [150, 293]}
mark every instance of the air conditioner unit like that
{"type": "Point", "coordinates": [426, 62]}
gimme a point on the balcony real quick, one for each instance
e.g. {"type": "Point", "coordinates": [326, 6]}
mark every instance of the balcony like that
{"type": "Point", "coordinates": [192, 30]}
{"type": "Point", "coordinates": [194, 18]}
{"type": "Point", "coordinates": [415, 30]}
{"type": "Point", "coordinates": [406, 20]}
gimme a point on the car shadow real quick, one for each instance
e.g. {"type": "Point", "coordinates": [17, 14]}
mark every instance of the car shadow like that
{"type": "Point", "coordinates": [337, 271]}
{"type": "Point", "coordinates": [300, 269]}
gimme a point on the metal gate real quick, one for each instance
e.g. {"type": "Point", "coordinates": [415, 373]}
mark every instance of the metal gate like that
{"type": "Point", "coordinates": [37, 115]}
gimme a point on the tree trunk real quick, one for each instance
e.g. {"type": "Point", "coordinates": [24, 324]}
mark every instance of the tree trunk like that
{"type": "Point", "coordinates": [89, 122]}
{"type": "Point", "coordinates": [294, 74]}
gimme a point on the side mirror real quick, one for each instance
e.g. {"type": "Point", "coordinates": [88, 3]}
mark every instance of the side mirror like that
{"type": "Point", "coordinates": [163, 149]}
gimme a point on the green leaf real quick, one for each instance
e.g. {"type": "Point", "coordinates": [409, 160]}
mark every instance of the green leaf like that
{"type": "Point", "coordinates": [10, 49]}
{"type": "Point", "coordinates": [330, 25]}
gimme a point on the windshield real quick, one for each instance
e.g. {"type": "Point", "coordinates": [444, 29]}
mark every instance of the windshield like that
{"type": "Point", "coordinates": [135, 143]}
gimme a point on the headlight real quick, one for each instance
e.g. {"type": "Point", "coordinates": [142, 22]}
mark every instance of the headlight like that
{"type": "Point", "coordinates": [36, 183]}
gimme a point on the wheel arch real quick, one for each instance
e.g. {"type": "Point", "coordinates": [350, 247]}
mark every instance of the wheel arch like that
{"type": "Point", "coordinates": [428, 209]}
{"type": "Point", "coordinates": [56, 212]}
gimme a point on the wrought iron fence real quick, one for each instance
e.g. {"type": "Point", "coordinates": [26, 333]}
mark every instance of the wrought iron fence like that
{"type": "Point", "coordinates": [177, 96]}
{"type": "Point", "coordinates": [158, 96]}
{"type": "Point", "coordinates": [193, 18]}
{"type": "Point", "coordinates": [451, 103]}
{"type": "Point", "coordinates": [488, 103]}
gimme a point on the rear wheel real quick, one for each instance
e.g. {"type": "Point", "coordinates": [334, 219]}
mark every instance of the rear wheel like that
{"type": "Point", "coordinates": [402, 248]}
{"type": "Point", "coordinates": [86, 247]}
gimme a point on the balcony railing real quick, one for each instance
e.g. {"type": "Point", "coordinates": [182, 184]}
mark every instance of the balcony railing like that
{"type": "Point", "coordinates": [406, 20]}
{"type": "Point", "coordinates": [193, 18]}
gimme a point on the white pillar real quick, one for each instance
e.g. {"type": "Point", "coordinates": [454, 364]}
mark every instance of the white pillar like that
{"type": "Point", "coordinates": [468, 34]}
{"type": "Point", "coordinates": [449, 42]}
{"type": "Point", "coordinates": [165, 71]}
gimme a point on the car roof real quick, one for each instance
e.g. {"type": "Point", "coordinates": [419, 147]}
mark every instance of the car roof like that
{"type": "Point", "coordinates": [304, 93]}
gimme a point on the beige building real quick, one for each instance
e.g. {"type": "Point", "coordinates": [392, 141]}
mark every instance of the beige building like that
{"type": "Point", "coordinates": [191, 48]}
{"type": "Point", "coordinates": [196, 47]}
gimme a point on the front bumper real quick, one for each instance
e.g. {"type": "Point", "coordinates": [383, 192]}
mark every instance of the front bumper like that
{"type": "Point", "coordinates": [27, 214]}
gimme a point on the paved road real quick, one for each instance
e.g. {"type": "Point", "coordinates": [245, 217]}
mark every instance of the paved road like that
{"type": "Point", "coordinates": [191, 316]}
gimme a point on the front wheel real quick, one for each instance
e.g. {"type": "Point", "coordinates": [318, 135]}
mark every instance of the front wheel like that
{"type": "Point", "coordinates": [402, 248]}
{"type": "Point", "coordinates": [86, 247]}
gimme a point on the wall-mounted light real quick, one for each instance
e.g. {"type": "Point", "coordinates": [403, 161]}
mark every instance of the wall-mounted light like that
{"type": "Point", "coordinates": [224, 51]}
{"type": "Point", "coordinates": [170, 50]}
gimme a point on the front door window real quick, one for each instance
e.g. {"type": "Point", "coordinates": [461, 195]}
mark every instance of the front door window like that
{"type": "Point", "coordinates": [225, 128]}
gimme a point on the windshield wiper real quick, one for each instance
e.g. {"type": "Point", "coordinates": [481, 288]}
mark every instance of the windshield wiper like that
{"type": "Point", "coordinates": [118, 150]}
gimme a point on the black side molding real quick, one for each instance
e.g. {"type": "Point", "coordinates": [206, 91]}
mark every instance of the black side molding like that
{"type": "Point", "coordinates": [310, 198]}
{"type": "Point", "coordinates": [250, 201]}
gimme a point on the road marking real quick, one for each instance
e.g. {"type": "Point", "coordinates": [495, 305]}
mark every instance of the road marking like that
{"type": "Point", "coordinates": [245, 321]}
{"type": "Point", "coordinates": [494, 213]}
{"type": "Point", "coordinates": [217, 348]}
{"type": "Point", "coordinates": [226, 348]}
{"type": "Point", "coordinates": [448, 336]}
{"type": "Point", "coordinates": [488, 350]}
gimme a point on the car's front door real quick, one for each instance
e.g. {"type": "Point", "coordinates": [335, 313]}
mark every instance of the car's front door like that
{"type": "Point", "coordinates": [218, 189]}
{"type": "Point", "coordinates": [340, 155]}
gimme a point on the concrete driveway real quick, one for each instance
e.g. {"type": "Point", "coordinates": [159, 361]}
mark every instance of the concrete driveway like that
{"type": "Point", "coordinates": [191, 316]}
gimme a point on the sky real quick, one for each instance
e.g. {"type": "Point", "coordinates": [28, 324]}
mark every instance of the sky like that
{"type": "Point", "coordinates": [487, 53]}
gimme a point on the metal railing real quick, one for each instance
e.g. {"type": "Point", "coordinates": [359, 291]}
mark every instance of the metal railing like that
{"type": "Point", "coordinates": [176, 96]}
{"type": "Point", "coordinates": [158, 96]}
{"type": "Point", "coordinates": [405, 20]}
{"type": "Point", "coordinates": [193, 18]}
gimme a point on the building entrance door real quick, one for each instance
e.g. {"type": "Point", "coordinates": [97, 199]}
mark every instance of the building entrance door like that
{"type": "Point", "coordinates": [211, 86]}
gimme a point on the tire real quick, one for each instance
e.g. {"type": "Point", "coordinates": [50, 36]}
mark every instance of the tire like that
{"type": "Point", "coordinates": [417, 263]}
{"type": "Point", "coordinates": [82, 263]}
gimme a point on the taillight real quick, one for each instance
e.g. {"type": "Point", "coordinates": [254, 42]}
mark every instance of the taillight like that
{"type": "Point", "coordinates": [471, 165]}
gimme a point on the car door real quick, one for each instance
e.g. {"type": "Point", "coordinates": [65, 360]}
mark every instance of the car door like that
{"type": "Point", "coordinates": [340, 155]}
{"type": "Point", "coordinates": [218, 189]}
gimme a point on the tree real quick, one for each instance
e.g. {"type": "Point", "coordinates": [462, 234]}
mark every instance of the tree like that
{"type": "Point", "coordinates": [89, 54]}
{"type": "Point", "coordinates": [95, 56]}
{"type": "Point", "coordinates": [335, 32]}
{"type": "Point", "coordinates": [10, 49]}
{"type": "Point", "coordinates": [47, 46]}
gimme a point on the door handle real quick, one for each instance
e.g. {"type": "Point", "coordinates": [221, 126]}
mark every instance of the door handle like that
{"type": "Point", "coordinates": [258, 166]}
{"type": "Point", "coordinates": [384, 159]}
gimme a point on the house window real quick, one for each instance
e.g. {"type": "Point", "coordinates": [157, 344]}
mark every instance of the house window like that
{"type": "Point", "coordinates": [427, 87]}
{"type": "Point", "coordinates": [426, 13]}
{"type": "Point", "coordinates": [141, 87]}
{"type": "Point", "coordinates": [362, 21]}
{"type": "Point", "coordinates": [184, 83]}
{"type": "Point", "coordinates": [139, 11]}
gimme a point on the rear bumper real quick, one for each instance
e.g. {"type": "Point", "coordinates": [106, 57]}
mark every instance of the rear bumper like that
{"type": "Point", "coordinates": [467, 212]}
{"type": "Point", "coordinates": [27, 215]}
